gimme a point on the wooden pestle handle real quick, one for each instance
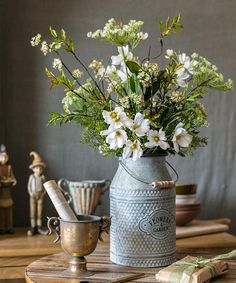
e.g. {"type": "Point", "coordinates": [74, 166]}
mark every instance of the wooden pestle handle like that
{"type": "Point", "coordinates": [162, 184]}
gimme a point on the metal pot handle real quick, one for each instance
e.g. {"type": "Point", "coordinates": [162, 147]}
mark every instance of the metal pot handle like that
{"type": "Point", "coordinates": [154, 184]}
{"type": "Point", "coordinates": [63, 185]}
{"type": "Point", "coordinates": [105, 226]}
{"type": "Point", "coordinates": [54, 226]}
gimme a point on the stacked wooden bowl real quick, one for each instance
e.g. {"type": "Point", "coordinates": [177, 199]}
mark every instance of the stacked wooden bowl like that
{"type": "Point", "coordinates": [187, 205]}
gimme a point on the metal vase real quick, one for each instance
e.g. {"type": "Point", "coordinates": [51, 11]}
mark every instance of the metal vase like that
{"type": "Point", "coordinates": [143, 217]}
{"type": "Point", "coordinates": [85, 195]}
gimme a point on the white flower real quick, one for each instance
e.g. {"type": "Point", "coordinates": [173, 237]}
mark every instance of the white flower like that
{"type": "Point", "coordinates": [133, 148]}
{"type": "Point", "coordinates": [184, 60]}
{"type": "Point", "coordinates": [77, 73]}
{"type": "Point", "coordinates": [116, 138]}
{"type": "Point", "coordinates": [100, 72]}
{"type": "Point", "coordinates": [214, 68]}
{"type": "Point", "coordinates": [45, 48]}
{"type": "Point", "coordinates": [122, 75]}
{"type": "Point", "coordinates": [117, 117]}
{"type": "Point", "coordinates": [142, 36]}
{"type": "Point", "coordinates": [110, 71]}
{"type": "Point", "coordinates": [187, 63]}
{"type": "Point", "coordinates": [35, 40]}
{"type": "Point", "coordinates": [182, 76]}
{"type": "Point", "coordinates": [89, 34]}
{"type": "Point", "coordinates": [140, 125]}
{"type": "Point", "coordinates": [124, 54]}
{"type": "Point", "coordinates": [55, 46]}
{"type": "Point", "coordinates": [169, 53]}
{"type": "Point", "coordinates": [156, 138]}
{"type": "Point", "coordinates": [181, 137]}
{"type": "Point", "coordinates": [57, 64]}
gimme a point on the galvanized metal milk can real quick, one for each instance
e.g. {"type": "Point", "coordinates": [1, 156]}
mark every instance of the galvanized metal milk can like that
{"type": "Point", "coordinates": [143, 213]}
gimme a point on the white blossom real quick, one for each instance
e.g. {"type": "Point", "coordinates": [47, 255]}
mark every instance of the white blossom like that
{"type": "Point", "coordinates": [181, 138]}
{"type": "Point", "coordinates": [35, 40]}
{"type": "Point", "coordinates": [124, 54]}
{"type": "Point", "coordinates": [110, 71]}
{"type": "Point", "coordinates": [140, 125]}
{"type": "Point", "coordinates": [116, 138]}
{"type": "Point", "coordinates": [122, 75]}
{"type": "Point", "coordinates": [187, 63]}
{"type": "Point", "coordinates": [157, 138]}
{"type": "Point", "coordinates": [77, 73]}
{"type": "Point", "coordinates": [142, 36]}
{"type": "Point", "coordinates": [134, 149]}
{"type": "Point", "coordinates": [100, 72]}
{"type": "Point", "coordinates": [169, 53]}
{"type": "Point", "coordinates": [182, 76]}
{"type": "Point", "coordinates": [89, 34]}
{"type": "Point", "coordinates": [57, 64]}
{"type": "Point", "coordinates": [117, 117]}
{"type": "Point", "coordinates": [55, 46]}
{"type": "Point", "coordinates": [45, 48]}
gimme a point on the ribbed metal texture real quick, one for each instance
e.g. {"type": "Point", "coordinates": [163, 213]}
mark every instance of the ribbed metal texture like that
{"type": "Point", "coordinates": [143, 218]}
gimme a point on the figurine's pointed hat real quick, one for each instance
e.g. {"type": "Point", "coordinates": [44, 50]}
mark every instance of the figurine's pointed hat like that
{"type": "Point", "coordinates": [37, 161]}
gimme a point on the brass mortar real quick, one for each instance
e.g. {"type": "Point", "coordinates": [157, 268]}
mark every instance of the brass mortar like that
{"type": "Point", "coordinates": [79, 239]}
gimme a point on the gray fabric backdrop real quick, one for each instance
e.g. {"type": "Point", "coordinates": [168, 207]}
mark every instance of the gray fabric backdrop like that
{"type": "Point", "coordinates": [210, 29]}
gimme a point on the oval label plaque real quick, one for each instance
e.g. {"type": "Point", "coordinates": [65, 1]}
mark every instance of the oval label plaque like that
{"type": "Point", "coordinates": [159, 224]}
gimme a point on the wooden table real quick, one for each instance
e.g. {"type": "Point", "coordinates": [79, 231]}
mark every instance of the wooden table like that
{"type": "Point", "coordinates": [17, 251]}
{"type": "Point", "coordinates": [49, 269]}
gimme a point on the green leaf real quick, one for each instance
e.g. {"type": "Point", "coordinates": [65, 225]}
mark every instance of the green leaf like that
{"type": "Point", "coordinates": [171, 26]}
{"type": "Point", "coordinates": [54, 83]}
{"type": "Point", "coordinates": [63, 34]}
{"type": "Point", "coordinates": [133, 67]}
{"type": "Point", "coordinates": [151, 90]}
{"type": "Point", "coordinates": [137, 84]}
{"type": "Point", "coordinates": [49, 73]}
{"type": "Point", "coordinates": [131, 84]}
{"type": "Point", "coordinates": [53, 32]}
{"type": "Point", "coordinates": [70, 45]}
{"type": "Point", "coordinates": [161, 26]}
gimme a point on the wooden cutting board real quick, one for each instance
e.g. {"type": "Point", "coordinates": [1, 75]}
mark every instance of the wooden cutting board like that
{"type": "Point", "coordinates": [202, 227]}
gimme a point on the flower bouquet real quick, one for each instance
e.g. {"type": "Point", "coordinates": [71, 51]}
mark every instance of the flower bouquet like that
{"type": "Point", "coordinates": [132, 106]}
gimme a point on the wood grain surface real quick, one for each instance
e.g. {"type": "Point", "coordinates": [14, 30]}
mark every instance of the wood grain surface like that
{"type": "Point", "coordinates": [50, 269]}
{"type": "Point", "coordinates": [201, 227]}
{"type": "Point", "coordinates": [18, 250]}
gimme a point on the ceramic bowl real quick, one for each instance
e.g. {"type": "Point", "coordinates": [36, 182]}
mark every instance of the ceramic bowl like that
{"type": "Point", "coordinates": [186, 199]}
{"type": "Point", "coordinates": [186, 213]}
{"type": "Point", "coordinates": [186, 189]}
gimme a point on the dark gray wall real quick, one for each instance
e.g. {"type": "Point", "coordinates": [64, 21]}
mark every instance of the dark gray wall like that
{"type": "Point", "coordinates": [1, 75]}
{"type": "Point", "coordinates": [210, 29]}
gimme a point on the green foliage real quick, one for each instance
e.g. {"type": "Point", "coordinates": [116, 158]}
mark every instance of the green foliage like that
{"type": "Point", "coordinates": [170, 26]}
{"type": "Point", "coordinates": [133, 66]}
{"type": "Point", "coordinates": [167, 96]}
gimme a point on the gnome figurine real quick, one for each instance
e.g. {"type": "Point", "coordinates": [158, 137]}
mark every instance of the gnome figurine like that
{"type": "Point", "coordinates": [36, 192]}
{"type": "Point", "coordinates": [7, 181]}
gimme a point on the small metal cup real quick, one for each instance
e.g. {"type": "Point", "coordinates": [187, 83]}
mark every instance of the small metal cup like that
{"type": "Point", "coordinates": [79, 239]}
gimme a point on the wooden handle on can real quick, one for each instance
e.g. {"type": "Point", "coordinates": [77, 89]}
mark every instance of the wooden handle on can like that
{"type": "Point", "coordinates": [162, 184]}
